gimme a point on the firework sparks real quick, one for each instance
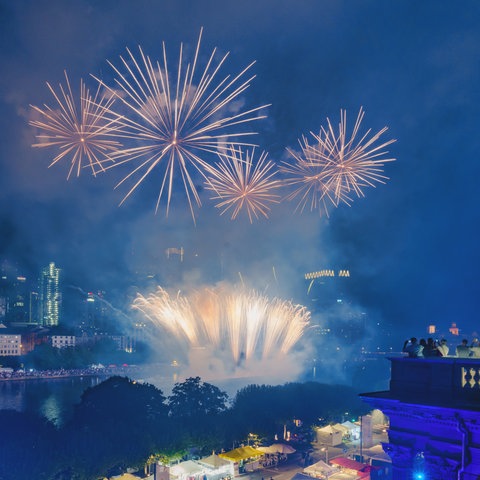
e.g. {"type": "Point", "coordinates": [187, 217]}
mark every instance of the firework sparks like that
{"type": "Point", "coordinates": [243, 325]}
{"type": "Point", "coordinates": [240, 184]}
{"type": "Point", "coordinates": [175, 122]}
{"type": "Point", "coordinates": [337, 165]}
{"type": "Point", "coordinates": [308, 177]}
{"type": "Point", "coordinates": [78, 128]}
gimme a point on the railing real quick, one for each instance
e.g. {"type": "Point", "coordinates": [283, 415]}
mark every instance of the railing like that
{"type": "Point", "coordinates": [448, 379]}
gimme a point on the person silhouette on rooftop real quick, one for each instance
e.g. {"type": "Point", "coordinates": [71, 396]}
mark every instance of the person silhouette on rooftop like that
{"type": "Point", "coordinates": [413, 348]}
{"type": "Point", "coordinates": [443, 348]}
{"type": "Point", "coordinates": [463, 350]}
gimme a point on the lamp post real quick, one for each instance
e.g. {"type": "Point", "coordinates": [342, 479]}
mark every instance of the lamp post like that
{"type": "Point", "coordinates": [361, 438]}
{"type": "Point", "coordinates": [325, 449]}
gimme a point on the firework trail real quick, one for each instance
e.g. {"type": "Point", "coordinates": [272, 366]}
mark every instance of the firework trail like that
{"type": "Point", "coordinates": [239, 326]}
{"type": "Point", "coordinates": [102, 300]}
{"type": "Point", "coordinates": [337, 165]}
{"type": "Point", "coordinates": [78, 127]}
{"type": "Point", "coordinates": [174, 120]}
{"type": "Point", "coordinates": [239, 184]}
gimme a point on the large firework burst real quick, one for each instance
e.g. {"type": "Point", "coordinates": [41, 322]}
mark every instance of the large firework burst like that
{"type": "Point", "coordinates": [337, 166]}
{"type": "Point", "coordinates": [174, 121]}
{"type": "Point", "coordinates": [78, 127]}
{"type": "Point", "coordinates": [233, 325]}
{"type": "Point", "coordinates": [240, 184]}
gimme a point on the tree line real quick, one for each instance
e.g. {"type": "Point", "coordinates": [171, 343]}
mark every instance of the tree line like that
{"type": "Point", "coordinates": [122, 423]}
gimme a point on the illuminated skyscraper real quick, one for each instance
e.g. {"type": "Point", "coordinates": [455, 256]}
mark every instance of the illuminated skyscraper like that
{"type": "Point", "coordinates": [50, 296]}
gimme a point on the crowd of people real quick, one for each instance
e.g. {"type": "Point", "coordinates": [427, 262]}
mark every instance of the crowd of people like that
{"type": "Point", "coordinates": [434, 348]}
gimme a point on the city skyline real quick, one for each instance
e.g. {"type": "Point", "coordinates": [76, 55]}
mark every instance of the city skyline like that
{"type": "Point", "coordinates": [21, 304]}
{"type": "Point", "coordinates": [414, 68]}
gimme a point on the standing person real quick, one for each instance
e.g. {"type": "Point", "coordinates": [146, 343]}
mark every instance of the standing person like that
{"type": "Point", "coordinates": [431, 349]}
{"type": "Point", "coordinates": [443, 348]}
{"type": "Point", "coordinates": [475, 348]}
{"type": "Point", "coordinates": [463, 350]}
{"type": "Point", "coordinates": [413, 348]}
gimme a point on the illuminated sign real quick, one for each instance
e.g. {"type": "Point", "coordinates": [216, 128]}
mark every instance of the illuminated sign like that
{"type": "Point", "coordinates": [327, 273]}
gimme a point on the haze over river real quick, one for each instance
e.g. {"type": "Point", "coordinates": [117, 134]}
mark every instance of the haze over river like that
{"type": "Point", "coordinates": [55, 398]}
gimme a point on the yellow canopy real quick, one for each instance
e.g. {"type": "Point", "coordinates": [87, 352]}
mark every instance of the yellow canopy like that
{"type": "Point", "coordinates": [241, 453]}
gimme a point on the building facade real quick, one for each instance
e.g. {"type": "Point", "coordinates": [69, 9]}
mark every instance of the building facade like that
{"type": "Point", "coordinates": [10, 344]}
{"type": "Point", "coordinates": [434, 409]}
{"type": "Point", "coordinates": [62, 341]}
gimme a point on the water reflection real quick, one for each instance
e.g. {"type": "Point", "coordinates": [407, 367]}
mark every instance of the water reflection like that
{"type": "Point", "coordinates": [52, 398]}
{"type": "Point", "coordinates": [55, 398]}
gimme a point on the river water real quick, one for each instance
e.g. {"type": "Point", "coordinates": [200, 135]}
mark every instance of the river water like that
{"type": "Point", "coordinates": [55, 398]}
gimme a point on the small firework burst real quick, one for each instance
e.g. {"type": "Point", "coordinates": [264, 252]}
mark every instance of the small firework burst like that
{"type": "Point", "coordinates": [337, 166]}
{"type": "Point", "coordinates": [78, 128]}
{"type": "Point", "coordinates": [308, 178]}
{"type": "Point", "coordinates": [240, 184]}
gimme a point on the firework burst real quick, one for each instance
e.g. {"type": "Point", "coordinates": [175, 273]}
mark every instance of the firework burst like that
{"type": "Point", "coordinates": [78, 127]}
{"type": "Point", "coordinates": [237, 326]}
{"type": "Point", "coordinates": [337, 166]}
{"type": "Point", "coordinates": [175, 121]}
{"type": "Point", "coordinates": [307, 176]}
{"type": "Point", "coordinates": [239, 184]}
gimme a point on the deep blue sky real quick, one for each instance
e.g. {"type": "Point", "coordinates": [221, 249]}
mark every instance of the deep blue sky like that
{"type": "Point", "coordinates": [411, 245]}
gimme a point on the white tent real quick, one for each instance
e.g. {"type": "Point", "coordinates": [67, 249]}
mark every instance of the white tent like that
{"type": "Point", "coordinates": [187, 469]}
{"type": "Point", "coordinates": [218, 465]}
{"type": "Point", "coordinates": [342, 428]}
{"type": "Point", "coordinates": [277, 448]}
{"type": "Point", "coordinates": [320, 469]}
{"type": "Point", "coordinates": [214, 461]}
{"type": "Point", "coordinates": [329, 436]}
{"type": "Point", "coordinates": [353, 428]}
{"type": "Point", "coordinates": [377, 452]}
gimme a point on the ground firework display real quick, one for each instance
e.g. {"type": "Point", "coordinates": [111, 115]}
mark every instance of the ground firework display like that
{"type": "Point", "coordinates": [240, 329]}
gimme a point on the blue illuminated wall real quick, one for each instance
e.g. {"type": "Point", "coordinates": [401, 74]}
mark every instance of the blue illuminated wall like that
{"type": "Point", "coordinates": [434, 409]}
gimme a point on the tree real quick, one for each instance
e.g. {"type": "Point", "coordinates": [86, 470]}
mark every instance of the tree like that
{"type": "Point", "coordinates": [117, 424]}
{"type": "Point", "coordinates": [27, 445]}
{"type": "Point", "coordinates": [194, 398]}
{"type": "Point", "coordinates": [198, 408]}
{"type": "Point", "coordinates": [265, 409]}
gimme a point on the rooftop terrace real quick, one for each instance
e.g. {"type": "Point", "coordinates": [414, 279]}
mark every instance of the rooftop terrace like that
{"type": "Point", "coordinates": [451, 381]}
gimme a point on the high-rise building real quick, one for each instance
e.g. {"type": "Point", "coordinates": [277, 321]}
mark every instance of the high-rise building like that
{"type": "Point", "coordinates": [19, 301]}
{"type": "Point", "coordinates": [50, 295]}
{"type": "Point", "coordinates": [15, 301]}
{"type": "Point", "coordinates": [4, 287]}
{"type": "Point", "coordinates": [34, 309]}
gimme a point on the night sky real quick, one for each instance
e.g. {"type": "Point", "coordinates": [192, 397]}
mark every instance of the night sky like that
{"type": "Point", "coordinates": [411, 245]}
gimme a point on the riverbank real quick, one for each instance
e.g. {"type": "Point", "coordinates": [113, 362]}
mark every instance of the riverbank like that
{"type": "Point", "coordinates": [66, 373]}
